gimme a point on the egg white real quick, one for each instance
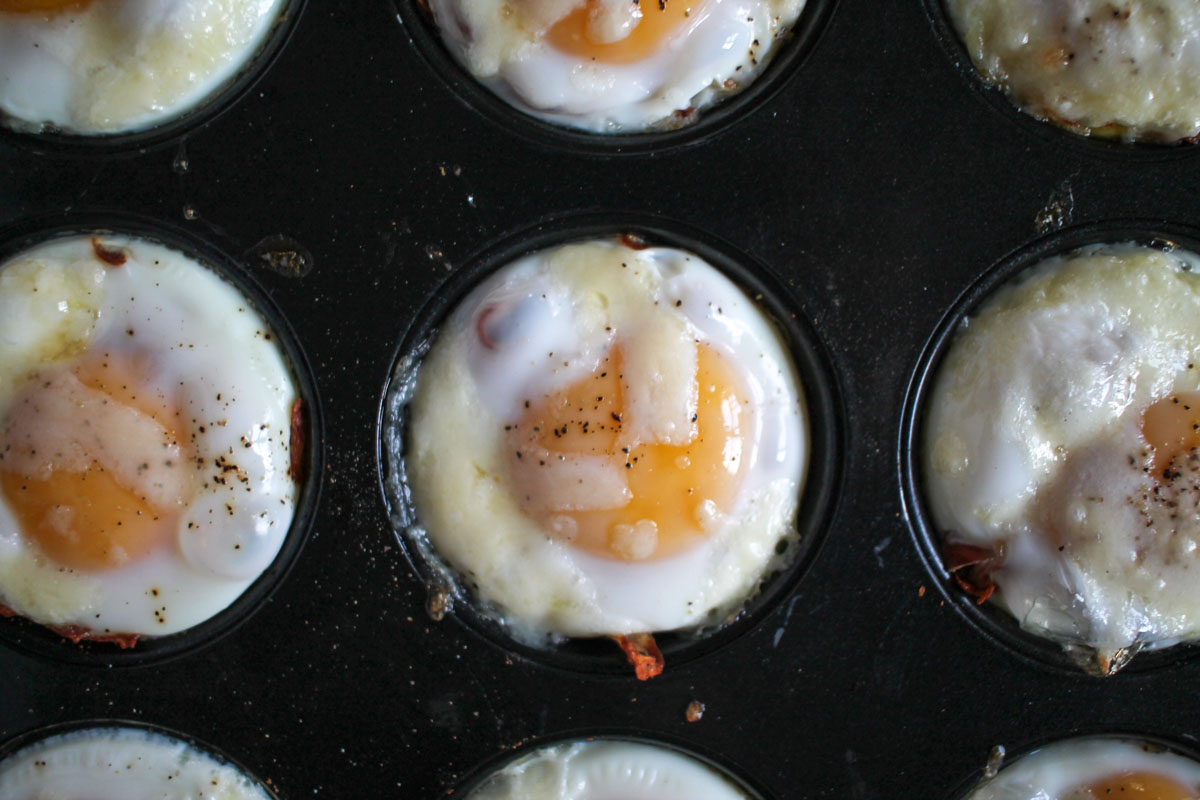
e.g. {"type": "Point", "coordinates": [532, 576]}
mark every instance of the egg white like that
{"type": "Point", "coordinates": [57, 300]}
{"type": "Point", "coordinates": [629, 770]}
{"type": "Point", "coordinates": [720, 50]}
{"type": "Point", "coordinates": [1088, 64]}
{"type": "Point", "coordinates": [1034, 426]}
{"type": "Point", "coordinates": [121, 764]}
{"type": "Point", "coordinates": [456, 454]}
{"type": "Point", "coordinates": [1060, 770]}
{"type": "Point", "coordinates": [124, 65]}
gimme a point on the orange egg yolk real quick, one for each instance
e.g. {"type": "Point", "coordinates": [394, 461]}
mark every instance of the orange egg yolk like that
{"type": "Point", "coordinates": [92, 462]}
{"type": "Point", "coordinates": [659, 20]}
{"type": "Point", "coordinates": [1172, 427]}
{"type": "Point", "coordinates": [672, 488]}
{"type": "Point", "coordinates": [1141, 786]}
{"type": "Point", "coordinates": [41, 5]}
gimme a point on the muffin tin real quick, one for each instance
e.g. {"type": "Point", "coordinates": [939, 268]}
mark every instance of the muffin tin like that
{"type": "Point", "coordinates": [874, 185]}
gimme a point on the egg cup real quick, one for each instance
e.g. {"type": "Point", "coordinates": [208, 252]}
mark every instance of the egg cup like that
{"type": "Point", "coordinates": [727, 777]}
{"type": "Point", "coordinates": [1100, 143]}
{"type": "Point", "coordinates": [598, 655]}
{"type": "Point", "coordinates": [306, 467]}
{"type": "Point", "coordinates": [953, 571]}
{"type": "Point", "coordinates": [793, 47]}
{"type": "Point", "coordinates": [169, 126]}
{"type": "Point", "coordinates": [196, 753]}
{"type": "Point", "coordinates": [1069, 761]}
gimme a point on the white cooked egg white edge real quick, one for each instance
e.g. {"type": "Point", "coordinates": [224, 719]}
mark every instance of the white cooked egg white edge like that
{"type": "Point", "coordinates": [195, 578]}
{"type": "Point", "coordinates": [573, 593]}
{"type": "Point", "coordinates": [120, 763]}
{"type": "Point", "coordinates": [1050, 772]}
{"type": "Point", "coordinates": [728, 40]}
{"type": "Point", "coordinates": [120, 66]}
{"type": "Point", "coordinates": [1078, 63]}
{"type": "Point", "coordinates": [985, 466]}
{"type": "Point", "coordinates": [606, 768]}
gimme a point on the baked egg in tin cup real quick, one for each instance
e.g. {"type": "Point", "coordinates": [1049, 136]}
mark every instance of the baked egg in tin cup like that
{"type": "Point", "coordinates": [582, 765]}
{"type": "Point", "coordinates": [121, 760]}
{"type": "Point", "coordinates": [1111, 80]}
{"type": "Point", "coordinates": [614, 76]}
{"type": "Point", "coordinates": [1049, 455]}
{"type": "Point", "coordinates": [610, 441]}
{"type": "Point", "coordinates": [123, 75]}
{"type": "Point", "coordinates": [1087, 766]}
{"type": "Point", "coordinates": [160, 441]}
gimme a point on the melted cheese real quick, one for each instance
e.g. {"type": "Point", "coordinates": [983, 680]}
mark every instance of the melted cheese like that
{"type": "Point", "coordinates": [604, 66]}
{"type": "Point", "coordinates": [1034, 438]}
{"type": "Point", "coordinates": [1129, 69]}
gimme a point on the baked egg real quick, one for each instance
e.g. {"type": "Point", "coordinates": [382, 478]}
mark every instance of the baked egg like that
{"type": "Point", "coordinates": [121, 763]}
{"type": "Point", "coordinates": [1127, 70]}
{"type": "Point", "coordinates": [1060, 450]}
{"type": "Point", "coordinates": [581, 770]}
{"type": "Point", "coordinates": [1098, 768]}
{"type": "Point", "coordinates": [605, 438]}
{"type": "Point", "coordinates": [611, 66]}
{"type": "Point", "coordinates": [146, 439]}
{"type": "Point", "coordinates": [114, 66]}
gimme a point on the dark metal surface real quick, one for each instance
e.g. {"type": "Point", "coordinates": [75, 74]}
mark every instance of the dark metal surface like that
{"type": "Point", "coordinates": [878, 184]}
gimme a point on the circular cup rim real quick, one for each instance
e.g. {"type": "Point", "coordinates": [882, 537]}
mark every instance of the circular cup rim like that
{"type": "Point", "coordinates": [820, 495]}
{"type": "Point", "coordinates": [176, 127]}
{"type": "Point", "coordinates": [992, 622]}
{"type": "Point", "coordinates": [997, 99]}
{"type": "Point", "coordinates": [32, 736]}
{"type": "Point", "coordinates": [1117, 733]}
{"type": "Point", "coordinates": [781, 70]}
{"type": "Point", "coordinates": [36, 640]}
{"type": "Point", "coordinates": [734, 773]}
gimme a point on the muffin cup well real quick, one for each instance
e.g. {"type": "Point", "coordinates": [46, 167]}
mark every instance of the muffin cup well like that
{"type": "Point", "coordinates": [995, 623]}
{"type": "Point", "coordinates": [1052, 133]}
{"type": "Point", "coordinates": [50, 141]}
{"type": "Point", "coordinates": [825, 423]}
{"type": "Point", "coordinates": [792, 51]}
{"type": "Point", "coordinates": [37, 640]}
{"type": "Point", "coordinates": [1006, 754]}
{"type": "Point", "coordinates": [29, 738]}
{"type": "Point", "coordinates": [736, 776]}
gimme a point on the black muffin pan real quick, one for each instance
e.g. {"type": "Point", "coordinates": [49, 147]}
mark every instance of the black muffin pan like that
{"type": "Point", "coordinates": [874, 187]}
